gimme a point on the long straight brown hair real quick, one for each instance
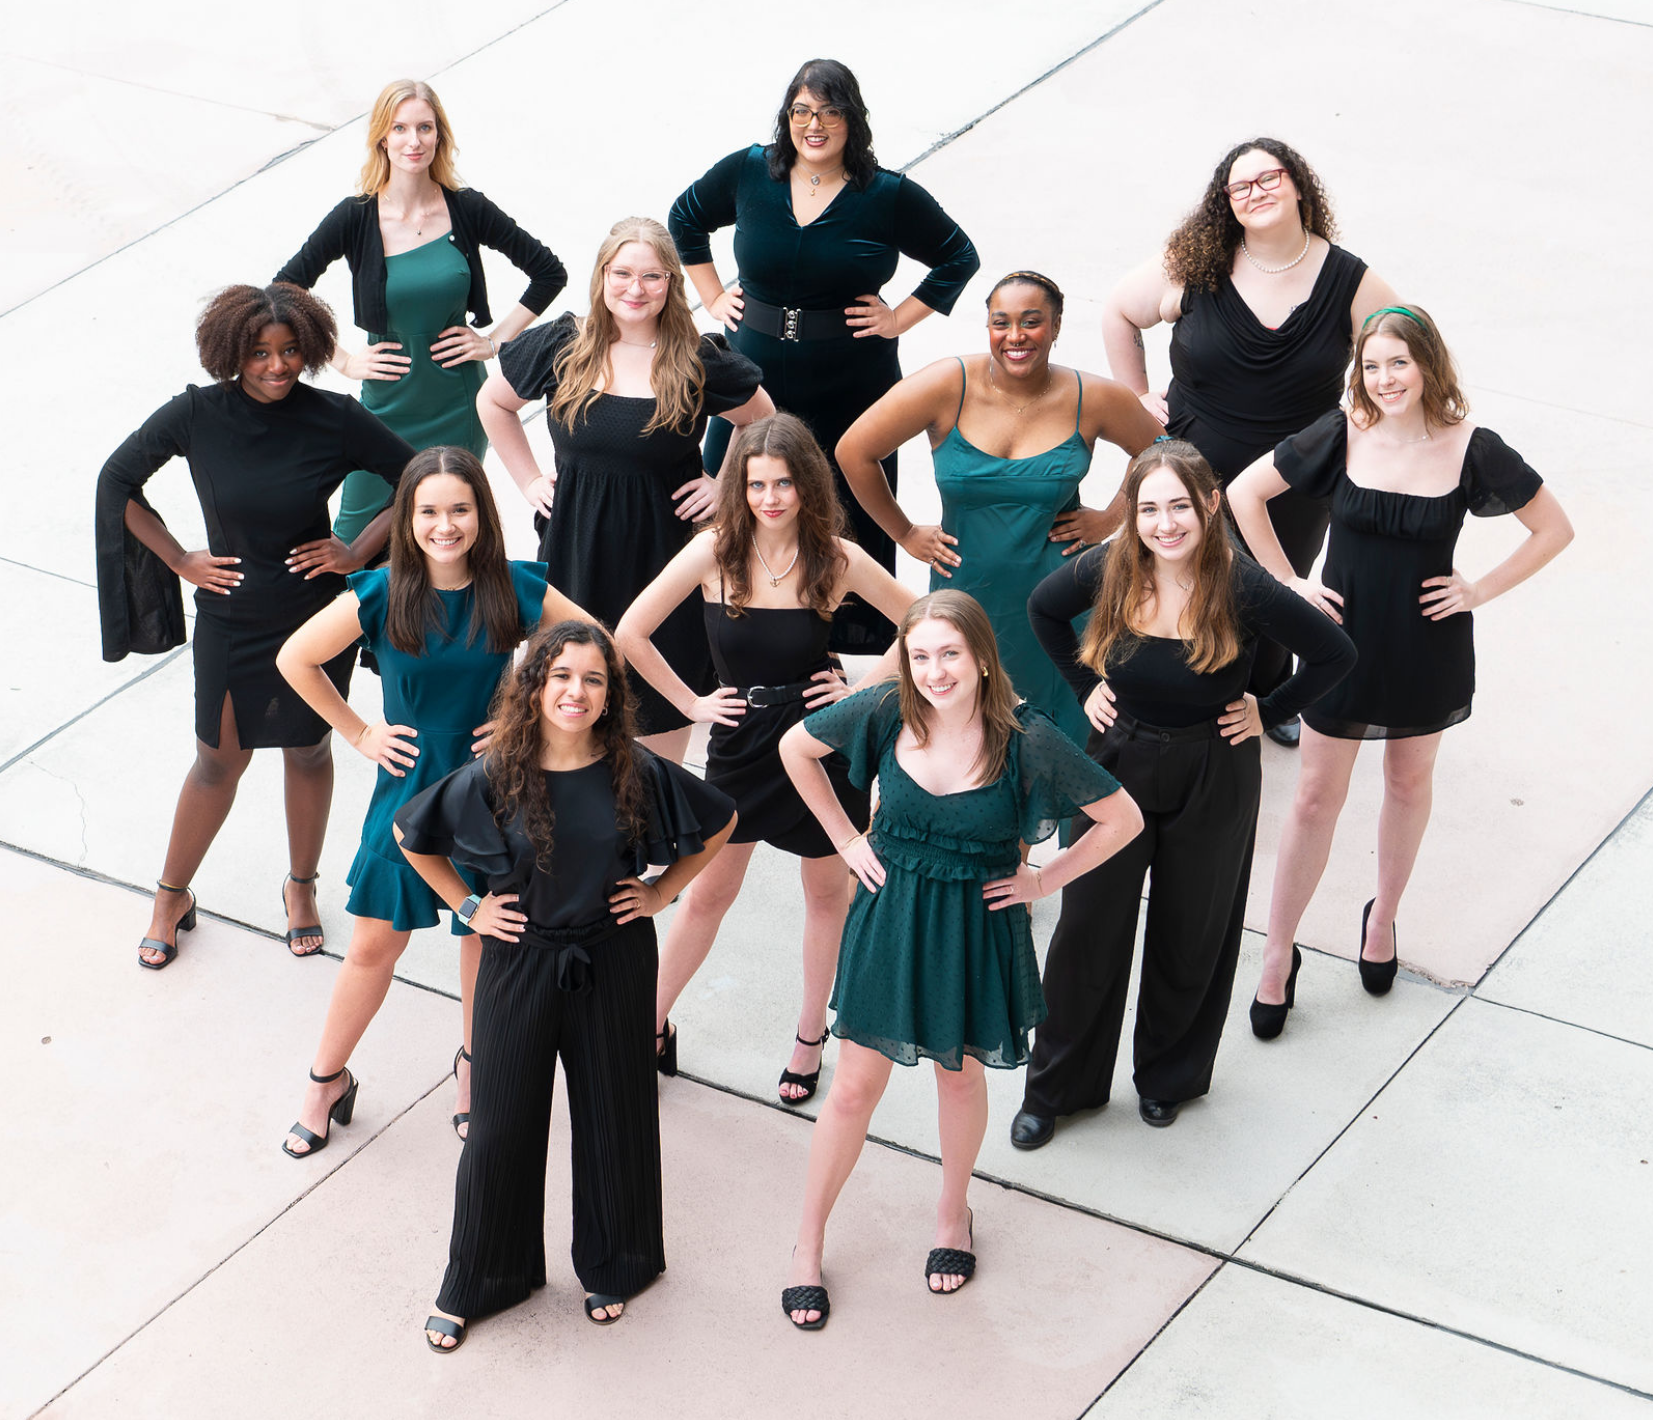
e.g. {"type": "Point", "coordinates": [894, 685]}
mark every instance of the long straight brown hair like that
{"type": "Point", "coordinates": [996, 697]}
{"type": "Point", "coordinates": [1210, 628]}
{"type": "Point", "coordinates": [414, 609]}
{"type": "Point", "coordinates": [820, 521]}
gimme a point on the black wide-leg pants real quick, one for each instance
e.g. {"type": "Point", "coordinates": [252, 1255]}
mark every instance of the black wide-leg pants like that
{"type": "Point", "coordinates": [536, 1002]}
{"type": "Point", "coordinates": [1198, 795]}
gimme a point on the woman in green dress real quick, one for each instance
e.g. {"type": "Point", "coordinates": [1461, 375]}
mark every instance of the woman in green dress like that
{"type": "Point", "coordinates": [937, 960]}
{"type": "Point", "coordinates": [413, 237]}
{"type": "Point", "coordinates": [1012, 437]}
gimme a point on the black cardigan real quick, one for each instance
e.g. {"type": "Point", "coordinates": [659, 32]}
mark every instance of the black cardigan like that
{"type": "Point", "coordinates": [351, 230]}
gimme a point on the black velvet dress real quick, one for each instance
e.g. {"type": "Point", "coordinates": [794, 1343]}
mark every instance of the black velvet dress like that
{"type": "Point", "coordinates": [849, 251]}
{"type": "Point", "coordinates": [613, 524]}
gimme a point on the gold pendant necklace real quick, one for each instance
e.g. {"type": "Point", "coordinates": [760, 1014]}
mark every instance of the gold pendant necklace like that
{"type": "Point", "coordinates": [1019, 408]}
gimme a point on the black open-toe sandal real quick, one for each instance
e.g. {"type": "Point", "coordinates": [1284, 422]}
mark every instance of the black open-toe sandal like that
{"type": "Point", "coordinates": [665, 1058]}
{"type": "Point", "coordinates": [465, 1118]}
{"type": "Point", "coordinates": [343, 1110]}
{"type": "Point", "coordinates": [807, 1298]}
{"type": "Point", "coordinates": [595, 1304]}
{"type": "Point", "coordinates": [168, 950]}
{"type": "Point", "coordinates": [448, 1327]}
{"type": "Point", "coordinates": [809, 1081]}
{"type": "Point", "coordinates": [951, 1262]}
{"type": "Point", "coordinates": [294, 933]}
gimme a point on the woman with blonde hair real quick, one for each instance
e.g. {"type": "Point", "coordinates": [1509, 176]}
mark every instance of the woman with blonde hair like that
{"type": "Point", "coordinates": [627, 391]}
{"type": "Point", "coordinates": [413, 236]}
{"type": "Point", "coordinates": [937, 960]}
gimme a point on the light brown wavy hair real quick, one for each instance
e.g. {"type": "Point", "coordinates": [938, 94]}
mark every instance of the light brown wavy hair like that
{"type": "Point", "coordinates": [1201, 251]}
{"type": "Point", "coordinates": [512, 762]}
{"type": "Point", "coordinates": [1124, 601]}
{"type": "Point", "coordinates": [375, 174]}
{"type": "Point", "coordinates": [820, 521]}
{"type": "Point", "coordinates": [997, 698]}
{"type": "Point", "coordinates": [678, 377]}
{"type": "Point", "coordinates": [1443, 401]}
{"type": "Point", "coordinates": [414, 609]}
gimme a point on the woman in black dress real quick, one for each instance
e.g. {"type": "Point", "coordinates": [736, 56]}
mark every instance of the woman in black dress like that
{"type": "Point", "coordinates": [1264, 310]}
{"type": "Point", "coordinates": [561, 816]}
{"type": "Point", "coordinates": [1175, 618]}
{"type": "Point", "coordinates": [627, 391]}
{"type": "Point", "coordinates": [770, 574]}
{"type": "Point", "coordinates": [819, 228]}
{"type": "Point", "coordinates": [1400, 471]}
{"type": "Point", "coordinates": [265, 452]}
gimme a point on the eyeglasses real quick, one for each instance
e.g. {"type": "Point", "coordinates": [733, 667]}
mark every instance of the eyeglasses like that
{"type": "Point", "coordinates": [1265, 182]}
{"type": "Point", "coordinates": [831, 116]}
{"type": "Point", "coordinates": [623, 276]}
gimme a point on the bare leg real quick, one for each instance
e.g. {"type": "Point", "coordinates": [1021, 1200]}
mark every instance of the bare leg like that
{"type": "Point", "coordinates": [470, 962]}
{"type": "Point", "coordinates": [358, 992]}
{"type": "Point", "coordinates": [961, 1108]}
{"type": "Point", "coordinates": [834, 1146]}
{"type": "Point", "coordinates": [826, 904]}
{"type": "Point", "coordinates": [694, 926]}
{"type": "Point", "coordinates": [1408, 796]}
{"type": "Point", "coordinates": [203, 805]}
{"type": "Point", "coordinates": [307, 777]}
{"type": "Point", "coordinates": [1305, 844]}
{"type": "Point", "coordinates": [668, 744]}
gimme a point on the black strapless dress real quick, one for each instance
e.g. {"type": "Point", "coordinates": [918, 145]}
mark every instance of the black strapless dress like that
{"type": "Point", "coordinates": [771, 646]}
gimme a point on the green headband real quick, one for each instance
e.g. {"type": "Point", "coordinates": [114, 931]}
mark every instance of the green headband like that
{"type": "Point", "coordinates": [1393, 311]}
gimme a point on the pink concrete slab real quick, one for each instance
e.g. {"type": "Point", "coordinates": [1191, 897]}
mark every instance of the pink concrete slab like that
{"type": "Point", "coordinates": [334, 1294]}
{"type": "Point", "coordinates": [146, 1110]}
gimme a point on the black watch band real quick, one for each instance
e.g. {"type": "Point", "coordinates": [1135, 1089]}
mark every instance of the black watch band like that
{"type": "Point", "coordinates": [467, 909]}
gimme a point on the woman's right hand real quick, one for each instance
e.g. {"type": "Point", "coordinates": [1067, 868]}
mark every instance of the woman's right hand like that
{"type": "Point", "coordinates": [925, 542]}
{"type": "Point", "coordinates": [375, 362]}
{"type": "Point", "coordinates": [211, 574]}
{"type": "Point", "coordinates": [722, 707]}
{"type": "Point", "coordinates": [863, 862]}
{"type": "Point", "coordinates": [728, 308]}
{"type": "Point", "coordinates": [1099, 706]}
{"type": "Point", "coordinates": [1154, 403]}
{"type": "Point", "coordinates": [541, 492]}
{"type": "Point", "coordinates": [493, 918]}
{"type": "Point", "coordinates": [388, 746]}
{"type": "Point", "coordinates": [1318, 595]}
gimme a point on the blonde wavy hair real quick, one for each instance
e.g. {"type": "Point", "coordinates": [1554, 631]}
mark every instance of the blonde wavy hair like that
{"type": "Point", "coordinates": [375, 176]}
{"type": "Point", "coordinates": [678, 377]}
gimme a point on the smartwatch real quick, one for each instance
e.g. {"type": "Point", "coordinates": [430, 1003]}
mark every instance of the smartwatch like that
{"type": "Point", "coordinates": [467, 909]}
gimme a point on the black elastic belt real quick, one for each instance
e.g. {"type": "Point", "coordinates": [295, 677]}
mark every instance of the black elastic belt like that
{"type": "Point", "coordinates": [790, 323]}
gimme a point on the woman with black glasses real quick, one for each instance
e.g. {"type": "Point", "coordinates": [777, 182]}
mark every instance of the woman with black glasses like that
{"type": "Point", "coordinates": [819, 229]}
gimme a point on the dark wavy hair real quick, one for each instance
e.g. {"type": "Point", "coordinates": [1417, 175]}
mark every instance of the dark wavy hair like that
{"type": "Point", "coordinates": [228, 329]}
{"type": "Point", "coordinates": [1126, 593]}
{"type": "Point", "coordinates": [1201, 251]}
{"type": "Point", "coordinates": [512, 762]}
{"type": "Point", "coordinates": [997, 699]}
{"type": "Point", "coordinates": [1443, 399]}
{"type": "Point", "coordinates": [834, 84]}
{"type": "Point", "coordinates": [414, 609]}
{"type": "Point", "coordinates": [820, 521]}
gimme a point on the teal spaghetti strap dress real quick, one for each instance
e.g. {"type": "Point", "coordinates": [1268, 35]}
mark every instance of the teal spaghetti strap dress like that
{"type": "Point", "coordinates": [443, 693]}
{"type": "Point", "coordinates": [1000, 510]}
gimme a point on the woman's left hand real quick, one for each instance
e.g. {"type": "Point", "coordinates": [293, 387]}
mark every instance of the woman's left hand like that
{"type": "Point", "coordinates": [1079, 528]}
{"type": "Point", "coordinates": [634, 899]}
{"type": "Point", "coordinates": [698, 497]}
{"type": "Point", "coordinates": [458, 344]}
{"type": "Point", "coordinates": [829, 688]}
{"type": "Point", "coordinates": [1450, 596]}
{"type": "Point", "coordinates": [1241, 721]}
{"type": "Point", "coordinates": [484, 737]}
{"type": "Point", "coordinates": [330, 554]}
{"type": "Point", "coordinates": [1023, 886]}
{"type": "Point", "coordinates": [873, 316]}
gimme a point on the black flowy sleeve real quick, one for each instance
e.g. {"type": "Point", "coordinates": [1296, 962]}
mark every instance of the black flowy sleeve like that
{"type": "Point", "coordinates": [529, 363]}
{"type": "Point", "coordinates": [731, 379]}
{"type": "Point", "coordinates": [1324, 652]}
{"type": "Point", "coordinates": [1496, 480]}
{"type": "Point", "coordinates": [926, 233]}
{"type": "Point", "coordinates": [140, 601]}
{"type": "Point", "coordinates": [705, 205]}
{"type": "Point", "coordinates": [454, 819]}
{"type": "Point", "coordinates": [683, 812]}
{"type": "Point", "coordinates": [546, 274]}
{"type": "Point", "coordinates": [1068, 592]}
{"type": "Point", "coordinates": [1313, 459]}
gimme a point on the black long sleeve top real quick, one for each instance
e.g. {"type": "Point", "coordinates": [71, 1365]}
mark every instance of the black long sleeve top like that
{"type": "Point", "coordinates": [1150, 677]}
{"type": "Point", "coordinates": [351, 230]}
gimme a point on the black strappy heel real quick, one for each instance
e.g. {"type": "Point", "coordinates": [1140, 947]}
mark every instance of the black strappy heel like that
{"type": "Point", "coordinates": [168, 950]}
{"type": "Point", "coordinates": [458, 1119]}
{"type": "Point", "coordinates": [344, 1108]}
{"type": "Point", "coordinates": [294, 933]}
{"type": "Point", "coordinates": [809, 1081]}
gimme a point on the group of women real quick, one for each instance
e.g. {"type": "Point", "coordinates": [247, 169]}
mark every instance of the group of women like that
{"type": "Point", "coordinates": [1102, 672]}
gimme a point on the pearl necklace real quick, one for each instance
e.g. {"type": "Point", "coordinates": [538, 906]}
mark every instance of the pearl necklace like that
{"type": "Point", "coordinates": [776, 578]}
{"type": "Point", "coordinates": [1276, 270]}
{"type": "Point", "coordinates": [1019, 408]}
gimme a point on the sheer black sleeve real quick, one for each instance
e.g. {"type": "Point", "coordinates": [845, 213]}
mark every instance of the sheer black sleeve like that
{"type": "Point", "coordinates": [1496, 479]}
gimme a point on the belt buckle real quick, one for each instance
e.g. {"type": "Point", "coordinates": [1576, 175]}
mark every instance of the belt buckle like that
{"type": "Point", "coordinates": [753, 692]}
{"type": "Point", "coordinates": [791, 320]}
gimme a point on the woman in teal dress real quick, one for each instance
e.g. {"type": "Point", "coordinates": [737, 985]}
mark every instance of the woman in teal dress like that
{"type": "Point", "coordinates": [413, 237]}
{"type": "Point", "coordinates": [937, 960]}
{"type": "Point", "coordinates": [443, 619]}
{"type": "Point", "coordinates": [1011, 436]}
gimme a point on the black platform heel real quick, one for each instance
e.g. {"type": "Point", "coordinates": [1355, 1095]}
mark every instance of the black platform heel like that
{"type": "Point", "coordinates": [343, 1110]}
{"type": "Point", "coordinates": [1267, 1021]}
{"type": "Point", "coordinates": [1376, 976]}
{"type": "Point", "coordinates": [665, 1058]}
{"type": "Point", "coordinates": [809, 1081]}
{"type": "Point", "coordinates": [168, 950]}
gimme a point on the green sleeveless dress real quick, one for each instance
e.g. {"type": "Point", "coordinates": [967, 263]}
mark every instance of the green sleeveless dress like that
{"type": "Point", "coordinates": [425, 294]}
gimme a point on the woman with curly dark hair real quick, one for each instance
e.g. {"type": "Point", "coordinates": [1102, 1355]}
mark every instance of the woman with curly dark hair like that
{"type": "Point", "coordinates": [1264, 311]}
{"type": "Point", "coordinates": [561, 816]}
{"type": "Point", "coordinates": [771, 574]}
{"type": "Point", "coordinates": [265, 452]}
{"type": "Point", "coordinates": [819, 228]}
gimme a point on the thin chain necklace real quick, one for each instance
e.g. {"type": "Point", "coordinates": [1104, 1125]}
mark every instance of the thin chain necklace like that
{"type": "Point", "coordinates": [1276, 270]}
{"type": "Point", "coordinates": [637, 344]}
{"type": "Point", "coordinates": [1019, 408]}
{"type": "Point", "coordinates": [815, 179]}
{"type": "Point", "coordinates": [776, 578]}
